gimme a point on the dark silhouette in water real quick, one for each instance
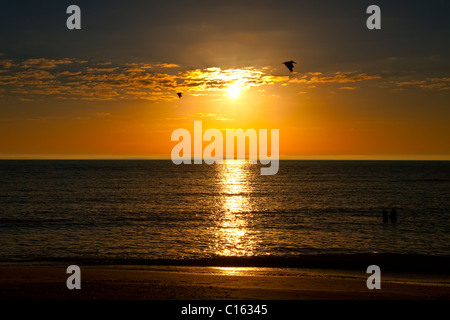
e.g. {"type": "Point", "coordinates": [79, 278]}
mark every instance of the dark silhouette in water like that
{"type": "Point", "coordinates": [289, 65]}
{"type": "Point", "coordinates": [393, 215]}
{"type": "Point", "coordinates": [385, 216]}
{"type": "Point", "coordinates": [179, 94]}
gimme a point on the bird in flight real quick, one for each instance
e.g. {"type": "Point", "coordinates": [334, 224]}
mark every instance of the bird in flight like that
{"type": "Point", "coordinates": [179, 94]}
{"type": "Point", "coordinates": [289, 65]}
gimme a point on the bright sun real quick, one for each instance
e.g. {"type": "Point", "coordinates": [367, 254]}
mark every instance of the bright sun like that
{"type": "Point", "coordinates": [234, 90]}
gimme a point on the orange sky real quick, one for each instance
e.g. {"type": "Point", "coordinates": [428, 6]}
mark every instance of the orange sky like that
{"type": "Point", "coordinates": [343, 101]}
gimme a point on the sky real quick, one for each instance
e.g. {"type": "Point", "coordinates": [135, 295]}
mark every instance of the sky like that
{"type": "Point", "coordinates": [110, 89]}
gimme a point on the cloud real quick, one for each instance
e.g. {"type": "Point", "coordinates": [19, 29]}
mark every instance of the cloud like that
{"type": "Point", "coordinates": [135, 70]}
{"type": "Point", "coordinates": [167, 65]}
{"type": "Point", "coordinates": [72, 79]}
{"type": "Point", "coordinates": [43, 63]}
{"type": "Point", "coordinates": [94, 70]}
{"type": "Point", "coordinates": [35, 74]}
{"type": "Point", "coordinates": [442, 83]}
{"type": "Point", "coordinates": [216, 79]}
{"type": "Point", "coordinates": [6, 64]}
{"type": "Point", "coordinates": [274, 79]}
{"type": "Point", "coordinates": [407, 83]}
{"type": "Point", "coordinates": [69, 73]}
{"type": "Point", "coordinates": [202, 115]}
{"type": "Point", "coordinates": [337, 77]}
{"type": "Point", "coordinates": [140, 65]}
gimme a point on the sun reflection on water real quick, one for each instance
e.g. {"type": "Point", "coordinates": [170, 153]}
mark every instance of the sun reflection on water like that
{"type": "Point", "coordinates": [236, 271]}
{"type": "Point", "coordinates": [231, 230]}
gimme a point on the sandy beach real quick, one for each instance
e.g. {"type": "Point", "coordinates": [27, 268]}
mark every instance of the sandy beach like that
{"type": "Point", "coordinates": [38, 282]}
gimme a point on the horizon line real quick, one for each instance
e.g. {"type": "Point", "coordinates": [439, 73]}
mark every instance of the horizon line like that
{"type": "Point", "coordinates": [384, 157]}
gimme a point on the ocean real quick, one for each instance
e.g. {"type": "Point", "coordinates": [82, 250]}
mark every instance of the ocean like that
{"type": "Point", "coordinates": [139, 210]}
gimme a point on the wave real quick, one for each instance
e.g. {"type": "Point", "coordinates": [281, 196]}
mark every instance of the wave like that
{"type": "Point", "coordinates": [386, 261]}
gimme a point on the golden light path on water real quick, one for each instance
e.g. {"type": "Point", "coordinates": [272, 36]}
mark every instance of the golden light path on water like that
{"type": "Point", "coordinates": [231, 232]}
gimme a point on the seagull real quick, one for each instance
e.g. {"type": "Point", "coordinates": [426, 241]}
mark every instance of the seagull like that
{"type": "Point", "coordinates": [289, 65]}
{"type": "Point", "coordinates": [179, 94]}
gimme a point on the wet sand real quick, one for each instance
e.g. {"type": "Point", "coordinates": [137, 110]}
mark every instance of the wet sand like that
{"type": "Point", "coordinates": [39, 282]}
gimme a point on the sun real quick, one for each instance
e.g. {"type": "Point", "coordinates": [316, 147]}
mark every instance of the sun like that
{"type": "Point", "coordinates": [234, 90]}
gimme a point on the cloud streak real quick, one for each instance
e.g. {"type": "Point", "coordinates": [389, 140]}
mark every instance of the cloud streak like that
{"type": "Point", "coordinates": [77, 79]}
{"type": "Point", "coordinates": [74, 79]}
{"type": "Point", "coordinates": [43, 63]}
{"type": "Point", "coordinates": [338, 77]}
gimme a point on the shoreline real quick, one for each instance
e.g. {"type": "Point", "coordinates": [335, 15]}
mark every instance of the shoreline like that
{"type": "Point", "coordinates": [390, 262]}
{"type": "Point", "coordinates": [138, 282]}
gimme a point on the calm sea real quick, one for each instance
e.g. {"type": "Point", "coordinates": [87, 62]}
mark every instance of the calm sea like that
{"type": "Point", "coordinates": [157, 210]}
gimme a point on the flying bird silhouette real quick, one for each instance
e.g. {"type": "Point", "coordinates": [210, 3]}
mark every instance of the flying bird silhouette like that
{"type": "Point", "coordinates": [179, 94]}
{"type": "Point", "coordinates": [289, 65]}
